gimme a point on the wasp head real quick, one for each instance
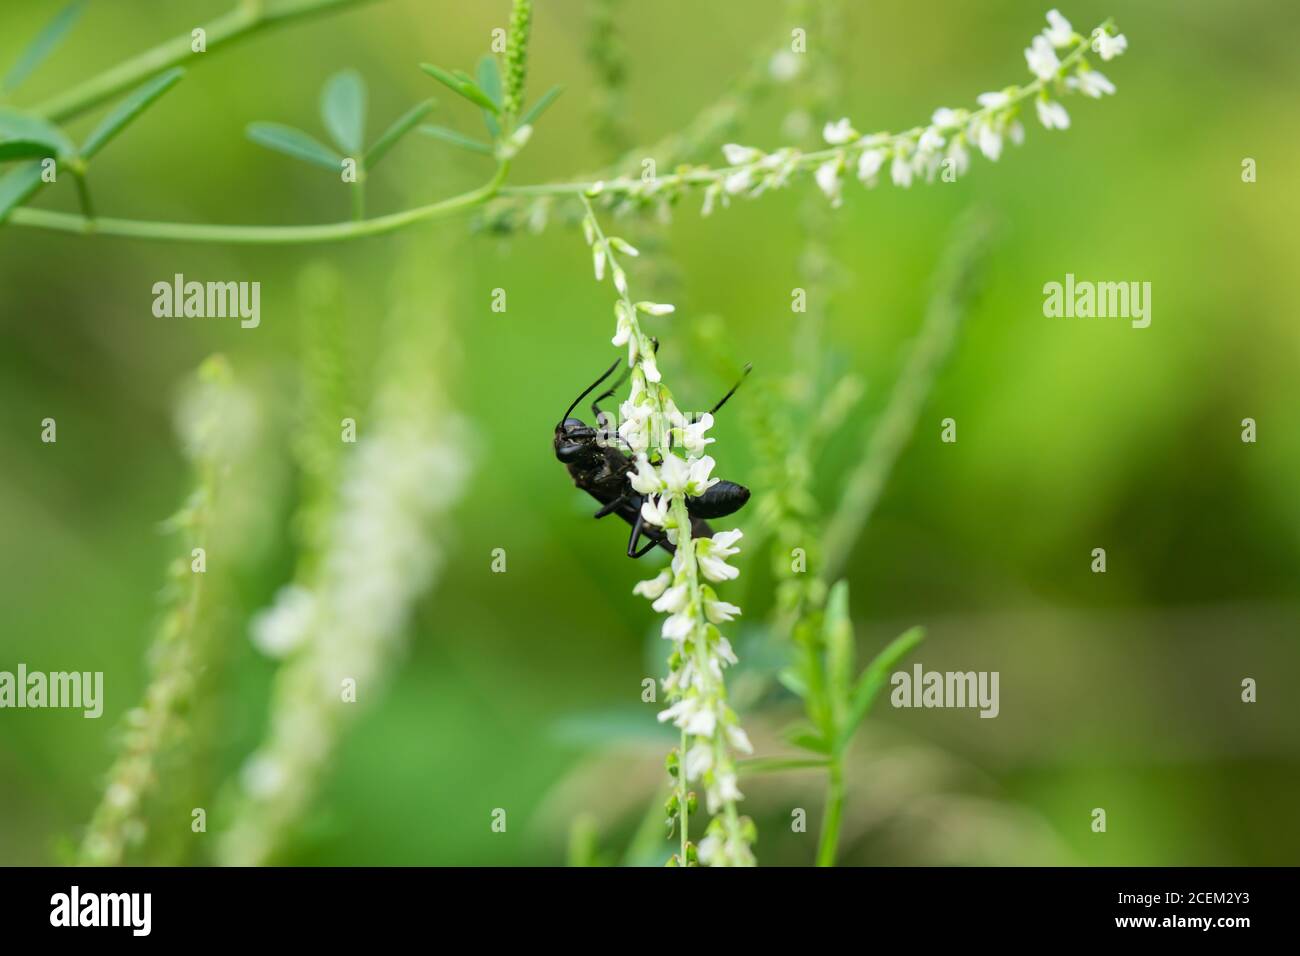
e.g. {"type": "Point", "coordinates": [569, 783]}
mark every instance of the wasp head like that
{"type": "Point", "coordinates": [575, 442]}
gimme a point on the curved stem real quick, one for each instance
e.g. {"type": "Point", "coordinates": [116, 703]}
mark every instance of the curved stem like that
{"type": "Point", "coordinates": [261, 235]}
{"type": "Point", "coordinates": [245, 20]}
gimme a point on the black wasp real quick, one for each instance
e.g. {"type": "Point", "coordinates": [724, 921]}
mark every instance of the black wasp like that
{"type": "Point", "coordinates": [602, 472]}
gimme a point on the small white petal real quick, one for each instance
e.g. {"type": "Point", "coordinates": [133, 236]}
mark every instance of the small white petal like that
{"type": "Point", "coordinates": [869, 164]}
{"type": "Point", "coordinates": [839, 133]}
{"type": "Point", "coordinates": [737, 155]}
{"type": "Point", "coordinates": [655, 586]}
{"type": "Point", "coordinates": [1058, 31]}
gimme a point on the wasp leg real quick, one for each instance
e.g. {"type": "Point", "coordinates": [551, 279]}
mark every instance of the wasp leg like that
{"type": "Point", "coordinates": [650, 546]}
{"type": "Point", "coordinates": [612, 506]}
{"type": "Point", "coordinates": [635, 536]}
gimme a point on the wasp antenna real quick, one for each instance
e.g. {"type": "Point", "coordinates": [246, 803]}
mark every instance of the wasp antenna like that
{"type": "Point", "coordinates": [618, 382]}
{"type": "Point", "coordinates": [749, 367]}
{"type": "Point", "coordinates": [588, 390]}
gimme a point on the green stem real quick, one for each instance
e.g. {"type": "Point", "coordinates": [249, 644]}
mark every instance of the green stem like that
{"type": "Point", "coordinates": [828, 844]}
{"type": "Point", "coordinates": [358, 201]}
{"type": "Point", "coordinates": [110, 83]}
{"type": "Point", "coordinates": [83, 197]}
{"type": "Point", "coordinates": [682, 792]}
{"type": "Point", "coordinates": [240, 23]}
{"type": "Point", "coordinates": [262, 235]}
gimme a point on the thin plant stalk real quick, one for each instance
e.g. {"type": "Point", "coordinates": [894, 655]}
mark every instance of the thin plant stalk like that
{"type": "Point", "coordinates": [245, 20]}
{"type": "Point", "coordinates": [178, 651]}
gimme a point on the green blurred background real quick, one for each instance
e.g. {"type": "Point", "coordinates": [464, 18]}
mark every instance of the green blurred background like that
{"type": "Point", "coordinates": [521, 690]}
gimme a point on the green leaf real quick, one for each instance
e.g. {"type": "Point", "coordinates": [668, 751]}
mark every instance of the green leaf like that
{"type": "Point", "coordinates": [25, 136]}
{"type": "Point", "coordinates": [343, 108]}
{"type": "Point", "coordinates": [805, 735]}
{"type": "Point", "coordinates": [793, 681]}
{"type": "Point", "coordinates": [405, 123]}
{"type": "Point", "coordinates": [128, 109]}
{"type": "Point", "coordinates": [489, 81]}
{"type": "Point", "coordinates": [777, 764]}
{"type": "Point", "coordinates": [17, 186]}
{"type": "Point", "coordinates": [489, 78]}
{"type": "Point", "coordinates": [837, 638]}
{"type": "Point", "coordinates": [462, 84]}
{"type": "Point", "coordinates": [874, 678]}
{"type": "Point", "coordinates": [456, 139]}
{"type": "Point", "coordinates": [43, 45]}
{"type": "Point", "coordinates": [543, 102]}
{"type": "Point", "coordinates": [294, 142]}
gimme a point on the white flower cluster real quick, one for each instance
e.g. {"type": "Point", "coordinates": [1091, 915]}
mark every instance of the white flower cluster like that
{"type": "Point", "coordinates": [651, 428]}
{"type": "Point", "coordinates": [349, 622]}
{"type": "Point", "coordinates": [696, 686]}
{"type": "Point", "coordinates": [946, 141]}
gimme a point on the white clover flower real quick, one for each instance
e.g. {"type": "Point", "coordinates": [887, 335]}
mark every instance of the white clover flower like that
{"type": "Point", "coordinates": [738, 739]}
{"type": "Point", "coordinates": [649, 367]}
{"type": "Point", "coordinates": [645, 480]}
{"type": "Point", "coordinates": [828, 180]}
{"type": "Point", "coordinates": [958, 154]}
{"type": "Point", "coordinates": [900, 170]}
{"type": "Point", "coordinates": [655, 308]}
{"type": "Point", "coordinates": [724, 790]}
{"type": "Point", "coordinates": [738, 181]}
{"type": "Point", "coordinates": [623, 325]}
{"type": "Point", "coordinates": [1108, 46]}
{"type": "Point", "coordinates": [840, 132]}
{"type": "Point", "coordinates": [285, 624]}
{"type": "Point", "coordinates": [784, 66]}
{"type": "Point", "coordinates": [711, 195]}
{"type": "Point", "coordinates": [869, 164]}
{"type": "Point", "coordinates": [701, 723]}
{"type": "Point", "coordinates": [654, 587]}
{"type": "Point", "coordinates": [598, 261]}
{"type": "Point", "coordinates": [1041, 58]}
{"type": "Point", "coordinates": [711, 850]}
{"type": "Point", "coordinates": [1052, 114]}
{"type": "Point", "coordinates": [700, 480]}
{"type": "Point", "coordinates": [737, 155]}
{"type": "Point", "coordinates": [1058, 31]}
{"type": "Point", "coordinates": [1015, 132]}
{"type": "Point", "coordinates": [699, 761]}
{"type": "Point", "coordinates": [995, 100]}
{"type": "Point", "coordinates": [678, 627]}
{"type": "Point", "coordinates": [1090, 83]}
{"type": "Point", "coordinates": [725, 653]}
{"type": "Point", "coordinates": [634, 428]}
{"type": "Point", "coordinates": [711, 554]}
{"type": "Point", "coordinates": [719, 612]}
{"type": "Point", "coordinates": [724, 540]}
{"type": "Point", "coordinates": [262, 775]}
{"type": "Point", "coordinates": [678, 711]}
{"type": "Point", "coordinates": [988, 140]}
{"type": "Point", "coordinates": [655, 510]}
{"type": "Point", "coordinates": [693, 438]}
{"type": "Point", "coordinates": [673, 600]}
{"type": "Point", "coordinates": [946, 118]}
{"type": "Point", "coordinates": [675, 473]}
{"type": "Point", "coordinates": [931, 140]}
